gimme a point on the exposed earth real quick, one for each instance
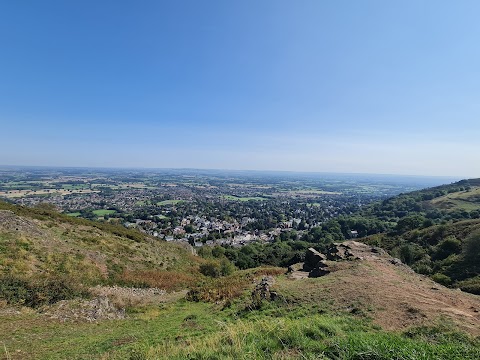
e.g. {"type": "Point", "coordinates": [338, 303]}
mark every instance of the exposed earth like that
{"type": "Point", "coordinates": [368, 280]}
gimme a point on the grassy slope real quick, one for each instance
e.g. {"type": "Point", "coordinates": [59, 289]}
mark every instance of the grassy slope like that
{"type": "Point", "coordinates": [39, 241]}
{"type": "Point", "coordinates": [299, 325]}
{"type": "Point", "coordinates": [460, 200]}
{"type": "Point", "coordinates": [302, 323]}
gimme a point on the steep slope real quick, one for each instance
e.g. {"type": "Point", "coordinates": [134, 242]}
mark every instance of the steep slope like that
{"type": "Point", "coordinates": [222, 317]}
{"type": "Point", "coordinates": [41, 242]}
{"type": "Point", "coordinates": [370, 282]}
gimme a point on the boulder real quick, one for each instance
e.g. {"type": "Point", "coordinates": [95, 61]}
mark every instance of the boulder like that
{"type": "Point", "coordinates": [318, 272]}
{"type": "Point", "coordinates": [313, 259]}
{"type": "Point", "coordinates": [338, 252]}
{"type": "Point", "coordinates": [296, 267]}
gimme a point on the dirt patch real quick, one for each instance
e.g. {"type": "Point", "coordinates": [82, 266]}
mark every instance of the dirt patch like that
{"type": "Point", "coordinates": [386, 290]}
{"type": "Point", "coordinates": [13, 223]}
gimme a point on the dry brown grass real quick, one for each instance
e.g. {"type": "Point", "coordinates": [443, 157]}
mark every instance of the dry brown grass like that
{"type": "Point", "coordinates": [225, 289]}
{"type": "Point", "coordinates": [166, 280]}
{"type": "Point", "coordinates": [219, 289]}
{"type": "Point", "coordinates": [392, 295]}
{"type": "Point", "coordinates": [269, 271]}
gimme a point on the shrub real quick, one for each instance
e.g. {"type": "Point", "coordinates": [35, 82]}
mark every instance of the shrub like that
{"type": "Point", "coordinates": [216, 269]}
{"type": "Point", "coordinates": [442, 279]}
{"type": "Point", "coordinates": [37, 292]}
{"type": "Point", "coordinates": [165, 280]}
{"type": "Point", "coordinates": [210, 268]}
{"type": "Point", "coordinates": [470, 285]}
{"type": "Point", "coordinates": [447, 247]}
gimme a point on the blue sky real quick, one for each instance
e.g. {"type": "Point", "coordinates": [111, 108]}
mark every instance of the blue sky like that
{"type": "Point", "coordinates": [330, 86]}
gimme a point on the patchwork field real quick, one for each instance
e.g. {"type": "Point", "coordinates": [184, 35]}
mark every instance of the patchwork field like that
{"type": "Point", "coordinates": [44, 192]}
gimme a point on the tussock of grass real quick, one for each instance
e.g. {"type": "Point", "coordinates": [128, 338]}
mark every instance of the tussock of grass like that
{"type": "Point", "coordinates": [269, 271]}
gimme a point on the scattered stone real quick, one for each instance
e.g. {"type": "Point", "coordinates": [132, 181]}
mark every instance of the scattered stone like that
{"type": "Point", "coordinates": [100, 308]}
{"type": "Point", "coordinates": [126, 291]}
{"type": "Point", "coordinates": [262, 290]}
{"type": "Point", "coordinates": [396, 261]}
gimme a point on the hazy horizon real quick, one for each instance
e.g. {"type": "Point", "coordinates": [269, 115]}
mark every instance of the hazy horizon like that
{"type": "Point", "coordinates": [293, 172]}
{"type": "Point", "coordinates": [345, 87]}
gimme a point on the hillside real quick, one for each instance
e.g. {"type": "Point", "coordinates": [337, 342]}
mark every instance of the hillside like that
{"type": "Point", "coordinates": [40, 243]}
{"type": "Point", "coordinates": [73, 288]}
{"type": "Point", "coordinates": [435, 230]}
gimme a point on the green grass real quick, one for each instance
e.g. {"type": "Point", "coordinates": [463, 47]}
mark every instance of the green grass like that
{"type": "Point", "coordinates": [237, 198]}
{"type": "Point", "coordinates": [169, 202]}
{"type": "Point", "coordinates": [36, 336]}
{"type": "Point", "coordinates": [75, 186]}
{"type": "Point", "coordinates": [103, 212]}
{"type": "Point", "coordinates": [461, 200]}
{"type": "Point", "coordinates": [74, 214]}
{"type": "Point", "coordinates": [57, 243]}
{"type": "Point", "coordinates": [196, 330]}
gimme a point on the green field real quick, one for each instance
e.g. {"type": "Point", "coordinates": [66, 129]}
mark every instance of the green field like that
{"type": "Point", "coordinates": [236, 198]}
{"type": "Point", "coordinates": [314, 192]}
{"type": "Point", "coordinates": [74, 214]}
{"type": "Point", "coordinates": [103, 212]}
{"type": "Point", "coordinates": [75, 186]}
{"type": "Point", "coordinates": [169, 202]}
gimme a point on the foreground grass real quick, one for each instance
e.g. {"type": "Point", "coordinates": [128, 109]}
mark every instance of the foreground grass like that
{"type": "Point", "coordinates": [196, 330]}
{"type": "Point", "coordinates": [33, 336]}
{"type": "Point", "coordinates": [315, 337]}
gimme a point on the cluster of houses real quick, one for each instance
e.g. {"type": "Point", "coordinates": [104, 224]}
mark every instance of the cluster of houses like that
{"type": "Point", "coordinates": [201, 230]}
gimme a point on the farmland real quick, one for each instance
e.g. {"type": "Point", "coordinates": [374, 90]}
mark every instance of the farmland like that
{"type": "Point", "coordinates": [199, 206]}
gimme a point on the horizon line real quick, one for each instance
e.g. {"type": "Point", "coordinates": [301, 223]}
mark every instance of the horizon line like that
{"type": "Point", "coordinates": [232, 170]}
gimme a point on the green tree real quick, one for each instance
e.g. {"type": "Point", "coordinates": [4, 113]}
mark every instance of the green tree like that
{"type": "Point", "coordinates": [471, 251]}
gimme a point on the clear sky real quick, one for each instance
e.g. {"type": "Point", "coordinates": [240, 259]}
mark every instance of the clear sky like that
{"type": "Point", "coordinates": [330, 86]}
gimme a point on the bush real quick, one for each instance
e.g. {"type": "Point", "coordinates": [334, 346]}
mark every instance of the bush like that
{"type": "Point", "coordinates": [471, 251]}
{"type": "Point", "coordinates": [216, 269]}
{"type": "Point", "coordinates": [442, 279]}
{"type": "Point", "coordinates": [470, 285]}
{"type": "Point", "coordinates": [210, 268]}
{"type": "Point", "coordinates": [447, 247]}
{"type": "Point", "coordinates": [39, 291]}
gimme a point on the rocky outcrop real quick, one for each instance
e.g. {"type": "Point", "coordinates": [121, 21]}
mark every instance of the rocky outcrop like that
{"type": "Point", "coordinates": [296, 267]}
{"type": "Point", "coordinates": [337, 252]}
{"type": "Point", "coordinates": [315, 263]}
{"type": "Point", "coordinates": [313, 259]}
